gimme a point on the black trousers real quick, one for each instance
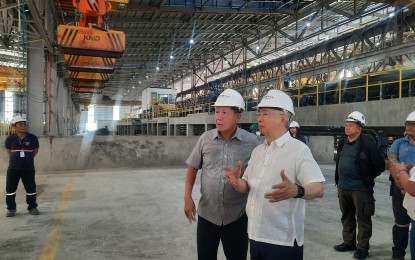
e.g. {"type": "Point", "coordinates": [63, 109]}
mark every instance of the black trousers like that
{"type": "Point", "coordinates": [286, 84]}
{"type": "Point", "coordinates": [234, 238]}
{"type": "Point", "coordinates": [266, 251]}
{"type": "Point", "coordinates": [401, 228]}
{"type": "Point", "coordinates": [12, 181]}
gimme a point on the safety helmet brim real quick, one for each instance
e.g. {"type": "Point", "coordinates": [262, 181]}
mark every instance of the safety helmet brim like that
{"type": "Point", "coordinates": [353, 121]}
{"type": "Point", "coordinates": [18, 119]}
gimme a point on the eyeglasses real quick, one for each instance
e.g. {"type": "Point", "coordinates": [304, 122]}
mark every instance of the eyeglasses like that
{"type": "Point", "coordinates": [410, 124]}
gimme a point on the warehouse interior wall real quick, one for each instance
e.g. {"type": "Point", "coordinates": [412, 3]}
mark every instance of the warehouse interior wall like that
{"type": "Point", "coordinates": [99, 152]}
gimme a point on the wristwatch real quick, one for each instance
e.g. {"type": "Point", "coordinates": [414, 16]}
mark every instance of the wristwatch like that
{"type": "Point", "coordinates": [300, 193]}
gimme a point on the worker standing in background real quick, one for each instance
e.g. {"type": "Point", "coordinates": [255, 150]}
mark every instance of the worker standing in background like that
{"type": "Point", "coordinates": [221, 210]}
{"type": "Point", "coordinates": [22, 148]}
{"type": "Point", "coordinates": [359, 162]}
{"type": "Point", "coordinates": [403, 150]}
{"type": "Point", "coordinates": [296, 132]}
{"type": "Point", "coordinates": [287, 80]}
{"type": "Point", "coordinates": [282, 174]}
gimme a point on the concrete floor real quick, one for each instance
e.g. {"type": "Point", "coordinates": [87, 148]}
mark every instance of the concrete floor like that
{"type": "Point", "coordinates": [138, 214]}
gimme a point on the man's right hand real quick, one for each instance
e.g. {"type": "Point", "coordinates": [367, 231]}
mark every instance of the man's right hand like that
{"type": "Point", "coordinates": [190, 209]}
{"type": "Point", "coordinates": [232, 176]}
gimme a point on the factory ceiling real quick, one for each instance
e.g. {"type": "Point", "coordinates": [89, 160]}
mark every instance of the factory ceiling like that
{"type": "Point", "coordinates": [182, 43]}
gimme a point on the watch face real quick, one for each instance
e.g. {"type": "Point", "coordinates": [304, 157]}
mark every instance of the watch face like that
{"type": "Point", "coordinates": [302, 192]}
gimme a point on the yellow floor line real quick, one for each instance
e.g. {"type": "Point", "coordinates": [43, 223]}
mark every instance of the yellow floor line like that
{"type": "Point", "coordinates": [52, 242]}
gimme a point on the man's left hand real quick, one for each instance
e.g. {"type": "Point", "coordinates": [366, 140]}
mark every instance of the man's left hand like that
{"type": "Point", "coordinates": [282, 191]}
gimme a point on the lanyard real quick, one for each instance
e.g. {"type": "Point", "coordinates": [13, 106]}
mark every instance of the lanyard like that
{"type": "Point", "coordinates": [21, 144]}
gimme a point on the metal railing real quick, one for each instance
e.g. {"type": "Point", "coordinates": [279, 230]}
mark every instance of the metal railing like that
{"type": "Point", "coordinates": [396, 83]}
{"type": "Point", "coordinates": [388, 84]}
{"type": "Point", "coordinates": [6, 129]}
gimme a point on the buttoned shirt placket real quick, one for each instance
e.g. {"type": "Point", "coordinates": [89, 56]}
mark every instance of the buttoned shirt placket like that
{"type": "Point", "coordinates": [263, 178]}
{"type": "Point", "coordinates": [222, 183]}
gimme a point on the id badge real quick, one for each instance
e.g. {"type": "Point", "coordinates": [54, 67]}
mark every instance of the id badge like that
{"type": "Point", "coordinates": [21, 154]}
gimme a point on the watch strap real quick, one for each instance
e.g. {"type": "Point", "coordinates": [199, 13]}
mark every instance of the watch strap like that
{"type": "Point", "coordinates": [300, 193]}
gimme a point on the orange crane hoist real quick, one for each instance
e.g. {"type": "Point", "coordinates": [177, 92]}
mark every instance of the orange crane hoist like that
{"type": "Point", "coordinates": [88, 84]}
{"type": "Point", "coordinates": [91, 41]}
{"type": "Point", "coordinates": [86, 90]}
{"type": "Point", "coordinates": [89, 76]}
{"type": "Point", "coordinates": [89, 63]}
{"type": "Point", "coordinates": [92, 11]}
{"type": "Point", "coordinates": [90, 48]}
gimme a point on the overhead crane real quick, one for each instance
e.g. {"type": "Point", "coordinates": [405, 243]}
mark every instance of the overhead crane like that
{"type": "Point", "coordinates": [87, 84]}
{"type": "Point", "coordinates": [88, 76]}
{"type": "Point", "coordinates": [90, 48]}
{"type": "Point", "coordinates": [89, 63]}
{"type": "Point", "coordinates": [87, 90]}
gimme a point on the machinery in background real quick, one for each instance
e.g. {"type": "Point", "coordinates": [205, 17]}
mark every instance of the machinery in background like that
{"type": "Point", "coordinates": [130, 126]}
{"type": "Point", "coordinates": [158, 102]}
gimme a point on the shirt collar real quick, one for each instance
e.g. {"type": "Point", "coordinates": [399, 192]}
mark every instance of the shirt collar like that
{"type": "Point", "coordinates": [238, 134]}
{"type": "Point", "coordinates": [281, 141]}
{"type": "Point", "coordinates": [354, 141]}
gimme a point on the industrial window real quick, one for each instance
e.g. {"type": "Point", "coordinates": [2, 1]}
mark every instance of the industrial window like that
{"type": "Point", "coordinates": [116, 113]}
{"type": "Point", "coordinates": [8, 106]}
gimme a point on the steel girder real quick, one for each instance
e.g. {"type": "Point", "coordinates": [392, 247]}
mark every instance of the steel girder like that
{"type": "Point", "coordinates": [367, 50]}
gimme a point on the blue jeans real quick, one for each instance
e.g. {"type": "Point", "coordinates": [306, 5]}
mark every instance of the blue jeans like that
{"type": "Point", "coordinates": [412, 239]}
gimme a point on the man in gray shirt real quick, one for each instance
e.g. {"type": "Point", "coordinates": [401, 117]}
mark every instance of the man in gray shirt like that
{"type": "Point", "coordinates": [221, 210]}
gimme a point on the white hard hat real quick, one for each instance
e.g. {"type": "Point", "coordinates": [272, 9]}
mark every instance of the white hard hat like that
{"type": "Point", "coordinates": [356, 117]}
{"type": "Point", "coordinates": [230, 98]}
{"type": "Point", "coordinates": [17, 119]}
{"type": "Point", "coordinates": [294, 124]}
{"type": "Point", "coordinates": [277, 98]}
{"type": "Point", "coordinates": [411, 117]}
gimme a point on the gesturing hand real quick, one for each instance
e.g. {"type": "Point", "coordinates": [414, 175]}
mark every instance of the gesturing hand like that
{"type": "Point", "coordinates": [232, 175]}
{"type": "Point", "coordinates": [283, 190]}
